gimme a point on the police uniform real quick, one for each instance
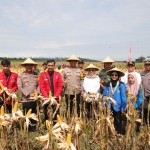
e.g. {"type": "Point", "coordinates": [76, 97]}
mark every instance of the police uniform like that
{"type": "Point", "coordinates": [72, 77]}
{"type": "Point", "coordinates": [146, 84]}
{"type": "Point", "coordinates": [27, 83]}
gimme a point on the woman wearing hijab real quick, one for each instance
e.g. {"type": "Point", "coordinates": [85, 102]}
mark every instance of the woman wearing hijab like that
{"type": "Point", "coordinates": [117, 91]}
{"type": "Point", "coordinates": [91, 86]}
{"type": "Point", "coordinates": [135, 91]}
{"type": "Point", "coordinates": [133, 88]}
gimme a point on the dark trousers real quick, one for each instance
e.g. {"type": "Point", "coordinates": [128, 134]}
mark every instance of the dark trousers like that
{"type": "Point", "coordinates": [145, 114]}
{"type": "Point", "coordinates": [145, 117]}
{"type": "Point", "coordinates": [71, 103]}
{"type": "Point", "coordinates": [8, 107]}
{"type": "Point", "coordinates": [117, 121]}
{"type": "Point", "coordinates": [88, 108]}
{"type": "Point", "coordinates": [46, 112]}
{"type": "Point", "coordinates": [26, 107]}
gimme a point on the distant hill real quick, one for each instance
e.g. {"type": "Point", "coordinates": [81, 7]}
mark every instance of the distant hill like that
{"type": "Point", "coordinates": [42, 59]}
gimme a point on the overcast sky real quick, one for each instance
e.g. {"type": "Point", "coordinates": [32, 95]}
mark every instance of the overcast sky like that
{"type": "Point", "coordinates": [87, 28]}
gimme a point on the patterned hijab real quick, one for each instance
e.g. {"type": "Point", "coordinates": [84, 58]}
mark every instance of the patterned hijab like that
{"type": "Point", "coordinates": [133, 88]}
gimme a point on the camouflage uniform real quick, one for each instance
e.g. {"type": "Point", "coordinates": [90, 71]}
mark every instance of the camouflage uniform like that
{"type": "Point", "coordinates": [104, 78]}
{"type": "Point", "coordinates": [72, 77]}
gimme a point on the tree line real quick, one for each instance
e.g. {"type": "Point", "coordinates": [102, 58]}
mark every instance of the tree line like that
{"type": "Point", "coordinates": [142, 59]}
{"type": "Point", "coordinates": [43, 59]}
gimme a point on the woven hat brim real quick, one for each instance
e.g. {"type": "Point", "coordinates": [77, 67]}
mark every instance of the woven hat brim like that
{"type": "Point", "coordinates": [72, 59]}
{"type": "Point", "coordinates": [96, 69]}
{"type": "Point", "coordinates": [121, 74]}
{"type": "Point", "coordinates": [29, 64]}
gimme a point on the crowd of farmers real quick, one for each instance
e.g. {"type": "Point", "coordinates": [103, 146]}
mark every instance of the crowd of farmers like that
{"type": "Point", "coordinates": [74, 81]}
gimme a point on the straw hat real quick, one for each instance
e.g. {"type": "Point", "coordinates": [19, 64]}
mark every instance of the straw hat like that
{"type": "Point", "coordinates": [28, 61]}
{"type": "Point", "coordinates": [73, 57]}
{"type": "Point", "coordinates": [91, 66]}
{"type": "Point", "coordinates": [107, 60]}
{"type": "Point", "coordinates": [116, 70]}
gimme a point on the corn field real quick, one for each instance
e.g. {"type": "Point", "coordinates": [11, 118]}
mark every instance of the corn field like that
{"type": "Point", "coordinates": [70, 131]}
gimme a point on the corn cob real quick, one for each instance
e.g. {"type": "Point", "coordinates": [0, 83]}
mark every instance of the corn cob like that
{"type": "Point", "coordinates": [50, 95]}
{"type": "Point", "coordinates": [29, 113]}
{"type": "Point", "coordinates": [59, 119]}
{"type": "Point", "coordinates": [1, 85]}
{"type": "Point", "coordinates": [47, 124]}
{"type": "Point", "coordinates": [2, 111]}
{"type": "Point", "coordinates": [15, 107]}
{"type": "Point", "coordinates": [35, 93]}
{"type": "Point", "coordinates": [68, 139]}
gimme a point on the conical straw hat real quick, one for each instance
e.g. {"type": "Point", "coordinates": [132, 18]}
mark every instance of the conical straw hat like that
{"type": "Point", "coordinates": [91, 66]}
{"type": "Point", "coordinates": [28, 61]}
{"type": "Point", "coordinates": [109, 72]}
{"type": "Point", "coordinates": [73, 57]}
{"type": "Point", "coordinates": [107, 59]}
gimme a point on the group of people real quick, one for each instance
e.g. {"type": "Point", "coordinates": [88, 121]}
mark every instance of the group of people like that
{"type": "Point", "coordinates": [76, 81]}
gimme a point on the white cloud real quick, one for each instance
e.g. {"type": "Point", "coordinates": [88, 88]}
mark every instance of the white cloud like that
{"type": "Point", "coordinates": [52, 44]}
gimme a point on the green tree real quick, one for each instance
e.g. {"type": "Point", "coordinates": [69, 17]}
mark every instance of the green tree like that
{"type": "Point", "coordinates": [140, 59]}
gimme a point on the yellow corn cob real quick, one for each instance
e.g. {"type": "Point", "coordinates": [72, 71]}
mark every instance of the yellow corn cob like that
{"type": "Point", "coordinates": [50, 95]}
{"type": "Point", "coordinates": [1, 85]}
{"type": "Point", "coordinates": [1, 120]}
{"type": "Point", "coordinates": [2, 111]}
{"type": "Point", "coordinates": [15, 107]}
{"type": "Point", "coordinates": [47, 124]}
{"type": "Point", "coordinates": [59, 119]}
{"type": "Point", "coordinates": [29, 112]}
{"type": "Point", "coordinates": [68, 139]}
{"type": "Point", "coordinates": [81, 76]}
{"type": "Point", "coordinates": [149, 106]}
{"type": "Point", "coordinates": [35, 93]}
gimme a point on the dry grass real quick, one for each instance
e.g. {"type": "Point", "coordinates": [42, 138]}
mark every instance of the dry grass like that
{"type": "Point", "coordinates": [15, 66]}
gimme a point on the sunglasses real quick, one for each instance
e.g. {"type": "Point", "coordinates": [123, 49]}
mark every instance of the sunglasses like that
{"type": "Point", "coordinates": [114, 75]}
{"type": "Point", "coordinates": [91, 70]}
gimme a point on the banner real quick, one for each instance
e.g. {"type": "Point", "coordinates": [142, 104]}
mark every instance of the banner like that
{"type": "Point", "coordinates": [130, 52]}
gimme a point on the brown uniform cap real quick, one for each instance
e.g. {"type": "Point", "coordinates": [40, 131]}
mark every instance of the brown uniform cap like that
{"type": "Point", "coordinates": [147, 62]}
{"type": "Point", "coordinates": [131, 63]}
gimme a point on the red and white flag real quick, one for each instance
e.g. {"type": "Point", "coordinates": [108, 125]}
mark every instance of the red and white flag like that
{"type": "Point", "coordinates": [130, 52]}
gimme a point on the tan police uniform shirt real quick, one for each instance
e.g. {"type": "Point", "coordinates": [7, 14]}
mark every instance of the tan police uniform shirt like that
{"type": "Point", "coordinates": [146, 82]}
{"type": "Point", "coordinates": [71, 77]}
{"type": "Point", "coordinates": [26, 84]}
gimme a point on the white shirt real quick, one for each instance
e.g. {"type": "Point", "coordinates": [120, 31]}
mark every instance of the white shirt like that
{"type": "Point", "coordinates": [91, 85]}
{"type": "Point", "coordinates": [124, 79]}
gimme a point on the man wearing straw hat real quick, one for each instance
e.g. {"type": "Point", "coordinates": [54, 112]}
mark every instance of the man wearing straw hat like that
{"type": "Point", "coordinates": [102, 74]}
{"type": "Point", "coordinates": [72, 83]}
{"type": "Point", "coordinates": [8, 79]}
{"type": "Point", "coordinates": [145, 75]}
{"type": "Point", "coordinates": [27, 83]}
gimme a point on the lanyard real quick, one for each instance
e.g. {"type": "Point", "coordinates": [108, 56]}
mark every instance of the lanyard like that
{"type": "Point", "coordinates": [113, 90]}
